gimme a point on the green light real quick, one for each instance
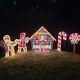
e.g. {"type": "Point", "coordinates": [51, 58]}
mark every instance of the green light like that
{"type": "Point", "coordinates": [74, 42]}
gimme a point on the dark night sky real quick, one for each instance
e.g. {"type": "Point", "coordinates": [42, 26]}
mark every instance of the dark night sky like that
{"type": "Point", "coordinates": [29, 15]}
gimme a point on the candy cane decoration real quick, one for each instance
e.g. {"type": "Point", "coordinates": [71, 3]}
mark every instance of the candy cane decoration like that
{"type": "Point", "coordinates": [79, 37]}
{"type": "Point", "coordinates": [74, 38]}
{"type": "Point", "coordinates": [61, 35]}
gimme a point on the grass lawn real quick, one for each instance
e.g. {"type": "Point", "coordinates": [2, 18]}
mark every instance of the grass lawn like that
{"type": "Point", "coordinates": [41, 66]}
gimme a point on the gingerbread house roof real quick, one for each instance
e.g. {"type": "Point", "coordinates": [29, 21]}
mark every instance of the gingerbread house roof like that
{"type": "Point", "coordinates": [42, 28]}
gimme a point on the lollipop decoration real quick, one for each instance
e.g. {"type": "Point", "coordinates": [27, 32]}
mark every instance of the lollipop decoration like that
{"type": "Point", "coordinates": [74, 38]}
{"type": "Point", "coordinates": [61, 35]}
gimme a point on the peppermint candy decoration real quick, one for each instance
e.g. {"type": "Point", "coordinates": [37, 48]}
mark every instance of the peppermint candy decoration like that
{"type": "Point", "coordinates": [74, 38]}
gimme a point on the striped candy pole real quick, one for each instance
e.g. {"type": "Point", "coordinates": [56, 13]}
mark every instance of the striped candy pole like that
{"type": "Point", "coordinates": [74, 38]}
{"type": "Point", "coordinates": [79, 37]}
{"type": "Point", "coordinates": [61, 35]}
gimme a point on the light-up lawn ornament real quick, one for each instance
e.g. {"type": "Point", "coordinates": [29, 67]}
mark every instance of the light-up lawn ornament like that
{"type": "Point", "coordinates": [10, 46]}
{"type": "Point", "coordinates": [42, 41]}
{"type": "Point", "coordinates": [4, 45]}
{"type": "Point", "coordinates": [22, 42]}
{"type": "Point", "coordinates": [61, 35]}
{"type": "Point", "coordinates": [74, 38]}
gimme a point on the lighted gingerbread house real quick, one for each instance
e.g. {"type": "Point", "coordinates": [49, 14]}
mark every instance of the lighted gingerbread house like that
{"type": "Point", "coordinates": [42, 40]}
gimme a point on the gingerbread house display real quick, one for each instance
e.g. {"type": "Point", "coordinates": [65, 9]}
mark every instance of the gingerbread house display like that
{"type": "Point", "coordinates": [42, 40]}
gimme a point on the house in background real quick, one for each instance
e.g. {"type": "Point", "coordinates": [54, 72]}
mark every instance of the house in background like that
{"type": "Point", "coordinates": [42, 40]}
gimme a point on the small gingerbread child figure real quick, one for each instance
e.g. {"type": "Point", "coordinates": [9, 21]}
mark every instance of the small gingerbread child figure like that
{"type": "Point", "coordinates": [10, 45]}
{"type": "Point", "coordinates": [22, 42]}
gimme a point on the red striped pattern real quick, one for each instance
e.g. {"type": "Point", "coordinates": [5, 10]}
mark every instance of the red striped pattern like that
{"type": "Point", "coordinates": [61, 35]}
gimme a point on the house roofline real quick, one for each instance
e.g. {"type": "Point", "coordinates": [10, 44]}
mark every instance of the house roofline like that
{"type": "Point", "coordinates": [39, 30]}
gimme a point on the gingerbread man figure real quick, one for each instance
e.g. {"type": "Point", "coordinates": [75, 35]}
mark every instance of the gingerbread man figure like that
{"type": "Point", "coordinates": [10, 45]}
{"type": "Point", "coordinates": [22, 42]}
